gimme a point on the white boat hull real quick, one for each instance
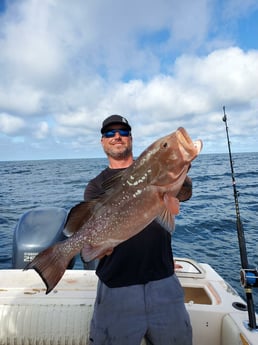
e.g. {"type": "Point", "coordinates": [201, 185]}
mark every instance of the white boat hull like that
{"type": "Point", "coordinates": [30, 317]}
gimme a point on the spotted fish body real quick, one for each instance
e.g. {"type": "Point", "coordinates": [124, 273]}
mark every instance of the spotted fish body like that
{"type": "Point", "coordinates": [132, 199]}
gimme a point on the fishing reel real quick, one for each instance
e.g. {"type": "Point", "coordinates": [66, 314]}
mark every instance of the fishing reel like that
{"type": "Point", "coordinates": [249, 278]}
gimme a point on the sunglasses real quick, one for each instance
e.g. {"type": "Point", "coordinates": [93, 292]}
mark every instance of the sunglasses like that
{"type": "Point", "coordinates": [112, 133]}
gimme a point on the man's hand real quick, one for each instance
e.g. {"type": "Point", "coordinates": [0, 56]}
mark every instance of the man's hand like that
{"type": "Point", "coordinates": [185, 192]}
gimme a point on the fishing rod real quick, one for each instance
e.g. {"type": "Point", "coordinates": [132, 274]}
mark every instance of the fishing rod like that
{"type": "Point", "coordinates": [248, 277]}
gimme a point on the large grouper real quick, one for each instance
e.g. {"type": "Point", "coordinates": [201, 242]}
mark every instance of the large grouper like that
{"type": "Point", "coordinates": [136, 196]}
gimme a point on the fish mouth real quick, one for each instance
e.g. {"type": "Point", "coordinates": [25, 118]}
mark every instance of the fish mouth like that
{"type": "Point", "coordinates": [190, 149]}
{"type": "Point", "coordinates": [198, 145]}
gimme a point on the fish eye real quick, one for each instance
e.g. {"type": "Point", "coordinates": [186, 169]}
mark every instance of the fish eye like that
{"type": "Point", "coordinates": [165, 144]}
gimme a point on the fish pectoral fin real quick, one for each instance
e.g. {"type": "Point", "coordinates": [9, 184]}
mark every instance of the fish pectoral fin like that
{"type": "Point", "coordinates": [167, 221]}
{"type": "Point", "coordinates": [167, 217]}
{"type": "Point", "coordinates": [77, 216]}
{"type": "Point", "coordinates": [171, 203]}
{"type": "Point", "coordinates": [89, 252]}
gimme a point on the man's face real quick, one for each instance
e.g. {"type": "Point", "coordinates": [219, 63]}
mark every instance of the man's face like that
{"type": "Point", "coordinates": [118, 146]}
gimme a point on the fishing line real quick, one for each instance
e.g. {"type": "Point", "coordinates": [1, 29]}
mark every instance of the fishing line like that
{"type": "Point", "coordinates": [248, 277]}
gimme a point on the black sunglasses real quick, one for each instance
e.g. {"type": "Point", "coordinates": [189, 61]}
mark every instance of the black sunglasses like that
{"type": "Point", "coordinates": [112, 132]}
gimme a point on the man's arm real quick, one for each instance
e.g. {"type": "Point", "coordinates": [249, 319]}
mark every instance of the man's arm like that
{"type": "Point", "coordinates": [185, 192]}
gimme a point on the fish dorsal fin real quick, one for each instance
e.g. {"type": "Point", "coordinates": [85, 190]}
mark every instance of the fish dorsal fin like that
{"type": "Point", "coordinates": [82, 212]}
{"type": "Point", "coordinates": [110, 182]}
{"type": "Point", "coordinates": [78, 215]}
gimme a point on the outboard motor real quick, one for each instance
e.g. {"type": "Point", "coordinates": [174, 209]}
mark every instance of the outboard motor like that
{"type": "Point", "coordinates": [36, 230]}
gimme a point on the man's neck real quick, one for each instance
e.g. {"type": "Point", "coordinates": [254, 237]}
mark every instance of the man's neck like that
{"type": "Point", "coordinates": [120, 164]}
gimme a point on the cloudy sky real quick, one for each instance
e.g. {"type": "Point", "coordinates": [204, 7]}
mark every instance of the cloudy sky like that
{"type": "Point", "coordinates": [66, 65]}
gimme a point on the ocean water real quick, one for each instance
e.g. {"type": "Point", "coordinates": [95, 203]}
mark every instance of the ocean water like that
{"type": "Point", "coordinates": [205, 228]}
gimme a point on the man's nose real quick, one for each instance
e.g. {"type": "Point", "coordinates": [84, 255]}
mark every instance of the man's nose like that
{"type": "Point", "coordinates": [117, 134]}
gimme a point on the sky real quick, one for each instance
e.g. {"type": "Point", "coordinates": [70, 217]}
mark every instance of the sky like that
{"type": "Point", "coordinates": [67, 65]}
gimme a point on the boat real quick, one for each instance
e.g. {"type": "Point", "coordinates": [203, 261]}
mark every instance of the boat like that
{"type": "Point", "coordinates": [28, 316]}
{"type": "Point", "coordinates": [219, 316]}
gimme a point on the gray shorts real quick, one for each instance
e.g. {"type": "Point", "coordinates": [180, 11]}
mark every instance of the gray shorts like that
{"type": "Point", "coordinates": [156, 311]}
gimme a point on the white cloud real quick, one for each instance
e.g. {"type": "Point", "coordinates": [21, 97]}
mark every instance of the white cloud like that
{"type": "Point", "coordinates": [10, 124]}
{"type": "Point", "coordinates": [20, 99]}
{"type": "Point", "coordinates": [30, 52]}
{"type": "Point", "coordinates": [65, 67]}
{"type": "Point", "coordinates": [228, 75]}
{"type": "Point", "coordinates": [42, 130]}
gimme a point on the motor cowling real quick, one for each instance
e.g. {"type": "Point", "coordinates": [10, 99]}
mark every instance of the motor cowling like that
{"type": "Point", "coordinates": [36, 230]}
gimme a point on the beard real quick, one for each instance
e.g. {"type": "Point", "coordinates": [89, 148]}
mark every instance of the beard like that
{"type": "Point", "coordinates": [125, 152]}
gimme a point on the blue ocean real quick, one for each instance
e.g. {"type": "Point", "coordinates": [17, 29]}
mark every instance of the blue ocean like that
{"type": "Point", "coordinates": [205, 228]}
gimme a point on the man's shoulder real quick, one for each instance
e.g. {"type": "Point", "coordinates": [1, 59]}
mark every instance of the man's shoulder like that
{"type": "Point", "coordinates": [105, 174]}
{"type": "Point", "coordinates": [102, 176]}
{"type": "Point", "coordinates": [95, 187]}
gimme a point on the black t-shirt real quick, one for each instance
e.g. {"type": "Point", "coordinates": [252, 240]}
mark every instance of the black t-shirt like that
{"type": "Point", "coordinates": [145, 257]}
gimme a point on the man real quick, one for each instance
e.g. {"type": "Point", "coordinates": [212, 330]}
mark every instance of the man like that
{"type": "Point", "coordinates": [138, 293]}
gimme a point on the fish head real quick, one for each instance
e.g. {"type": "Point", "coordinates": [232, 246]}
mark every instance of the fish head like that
{"type": "Point", "coordinates": [181, 149]}
{"type": "Point", "coordinates": [168, 159]}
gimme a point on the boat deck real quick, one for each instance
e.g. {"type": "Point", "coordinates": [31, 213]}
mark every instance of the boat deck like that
{"type": "Point", "coordinates": [29, 316]}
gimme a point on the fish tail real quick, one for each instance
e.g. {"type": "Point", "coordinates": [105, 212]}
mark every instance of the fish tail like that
{"type": "Point", "coordinates": [50, 264]}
